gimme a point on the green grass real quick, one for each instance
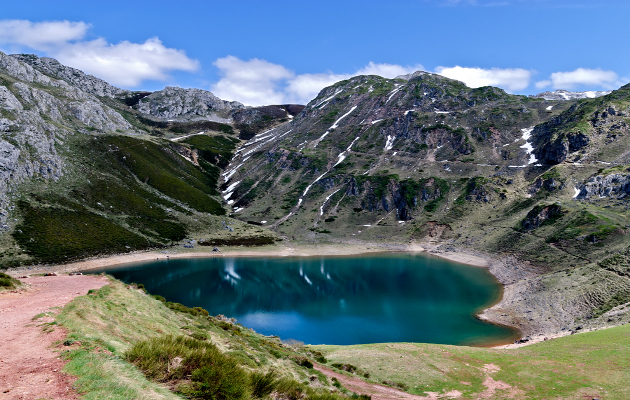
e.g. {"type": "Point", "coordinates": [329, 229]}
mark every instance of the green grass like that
{"type": "Point", "coordinates": [217, 150]}
{"type": "Point", "coordinates": [131, 342]}
{"type": "Point", "coordinates": [51, 234]}
{"type": "Point", "coordinates": [8, 283]}
{"type": "Point", "coordinates": [596, 364]}
{"type": "Point", "coordinates": [119, 321]}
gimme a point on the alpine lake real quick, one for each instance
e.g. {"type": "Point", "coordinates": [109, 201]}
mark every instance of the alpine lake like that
{"type": "Point", "coordinates": [388, 297]}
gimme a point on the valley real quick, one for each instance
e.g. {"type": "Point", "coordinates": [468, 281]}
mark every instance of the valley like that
{"type": "Point", "coordinates": [535, 188]}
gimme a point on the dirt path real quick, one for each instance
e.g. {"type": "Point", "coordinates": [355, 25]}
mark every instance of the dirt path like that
{"type": "Point", "coordinates": [29, 368]}
{"type": "Point", "coordinates": [359, 386]}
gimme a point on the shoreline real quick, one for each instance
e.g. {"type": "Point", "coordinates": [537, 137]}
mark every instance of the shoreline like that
{"type": "Point", "coordinates": [298, 250]}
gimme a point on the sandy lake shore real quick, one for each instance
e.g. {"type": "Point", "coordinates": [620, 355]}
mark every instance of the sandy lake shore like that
{"type": "Point", "coordinates": [301, 250]}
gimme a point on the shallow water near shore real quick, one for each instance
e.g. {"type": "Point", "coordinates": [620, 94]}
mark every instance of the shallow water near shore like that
{"type": "Point", "coordinates": [334, 300]}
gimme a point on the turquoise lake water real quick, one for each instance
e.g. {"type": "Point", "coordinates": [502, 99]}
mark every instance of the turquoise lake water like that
{"type": "Point", "coordinates": [334, 300]}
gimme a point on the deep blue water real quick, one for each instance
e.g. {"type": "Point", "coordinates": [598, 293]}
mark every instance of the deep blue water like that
{"type": "Point", "coordinates": [334, 300]}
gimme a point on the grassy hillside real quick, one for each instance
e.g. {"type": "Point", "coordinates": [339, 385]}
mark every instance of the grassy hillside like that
{"type": "Point", "coordinates": [582, 366]}
{"type": "Point", "coordinates": [123, 344]}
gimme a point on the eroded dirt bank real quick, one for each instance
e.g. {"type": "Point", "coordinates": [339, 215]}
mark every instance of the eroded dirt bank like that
{"type": "Point", "coordinates": [29, 367]}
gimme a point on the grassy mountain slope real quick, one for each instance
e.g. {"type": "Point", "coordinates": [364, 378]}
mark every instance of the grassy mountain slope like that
{"type": "Point", "coordinates": [86, 174]}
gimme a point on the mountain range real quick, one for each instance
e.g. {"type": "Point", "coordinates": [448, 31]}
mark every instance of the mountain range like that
{"type": "Point", "coordinates": [537, 183]}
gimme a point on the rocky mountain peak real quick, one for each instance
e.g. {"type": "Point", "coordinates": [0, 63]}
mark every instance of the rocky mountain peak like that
{"type": "Point", "coordinates": [187, 104]}
{"type": "Point", "coordinates": [567, 95]}
{"type": "Point", "coordinates": [411, 75]}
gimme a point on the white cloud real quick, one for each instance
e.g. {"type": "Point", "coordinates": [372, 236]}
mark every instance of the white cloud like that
{"type": "Point", "coordinates": [581, 76]}
{"type": "Point", "coordinates": [510, 79]}
{"type": "Point", "coordinates": [124, 64]}
{"type": "Point", "coordinates": [252, 82]}
{"type": "Point", "coordinates": [41, 35]}
{"type": "Point", "coordinates": [257, 82]}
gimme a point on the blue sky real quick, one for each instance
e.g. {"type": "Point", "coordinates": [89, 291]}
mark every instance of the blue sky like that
{"type": "Point", "coordinates": [274, 52]}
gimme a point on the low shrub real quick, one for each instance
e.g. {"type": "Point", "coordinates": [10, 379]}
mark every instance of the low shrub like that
{"type": "Point", "coordinates": [240, 241]}
{"type": "Point", "coordinates": [7, 282]}
{"type": "Point", "coordinates": [289, 389]}
{"type": "Point", "coordinates": [399, 385]}
{"type": "Point", "coordinates": [222, 381]}
{"type": "Point", "coordinates": [262, 384]}
{"type": "Point", "coordinates": [302, 362]}
{"type": "Point", "coordinates": [171, 358]}
{"type": "Point", "coordinates": [196, 311]}
{"type": "Point", "coordinates": [199, 335]}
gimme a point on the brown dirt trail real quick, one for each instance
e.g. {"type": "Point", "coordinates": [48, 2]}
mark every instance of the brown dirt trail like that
{"type": "Point", "coordinates": [29, 367]}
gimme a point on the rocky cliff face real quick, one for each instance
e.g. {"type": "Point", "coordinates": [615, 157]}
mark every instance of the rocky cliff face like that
{"type": "Point", "coordinates": [582, 131]}
{"type": "Point", "coordinates": [252, 120]}
{"type": "Point", "coordinates": [187, 104]}
{"type": "Point", "coordinates": [615, 185]}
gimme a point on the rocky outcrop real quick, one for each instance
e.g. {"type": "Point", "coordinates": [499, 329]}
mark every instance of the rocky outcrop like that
{"type": "Point", "coordinates": [478, 192]}
{"type": "Point", "coordinates": [390, 194]}
{"type": "Point", "coordinates": [186, 104]}
{"type": "Point", "coordinates": [412, 75]}
{"type": "Point", "coordinates": [539, 215]}
{"type": "Point", "coordinates": [605, 186]}
{"type": "Point", "coordinates": [552, 147]}
{"type": "Point", "coordinates": [549, 184]}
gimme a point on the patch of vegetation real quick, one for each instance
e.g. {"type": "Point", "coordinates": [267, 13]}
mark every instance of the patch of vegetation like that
{"type": "Point", "coordinates": [330, 116]}
{"type": "Point", "coordinates": [213, 375]}
{"type": "Point", "coordinates": [7, 282]}
{"type": "Point", "coordinates": [142, 209]}
{"type": "Point", "coordinates": [575, 366]}
{"type": "Point", "coordinates": [580, 224]}
{"type": "Point", "coordinates": [217, 150]}
{"type": "Point", "coordinates": [302, 362]}
{"type": "Point", "coordinates": [59, 235]}
{"type": "Point", "coordinates": [381, 87]}
{"type": "Point", "coordinates": [440, 190]}
{"type": "Point", "coordinates": [197, 126]}
{"type": "Point", "coordinates": [317, 230]}
{"type": "Point", "coordinates": [542, 215]}
{"type": "Point", "coordinates": [240, 241]}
